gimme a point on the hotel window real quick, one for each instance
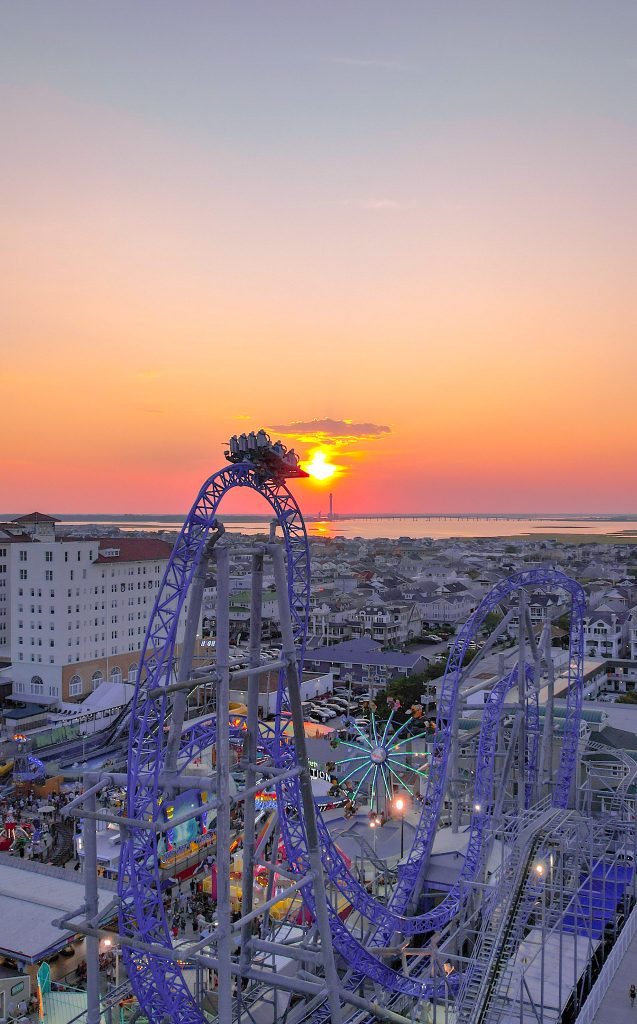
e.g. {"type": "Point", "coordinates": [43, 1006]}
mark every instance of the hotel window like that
{"type": "Point", "coordinates": [23, 556]}
{"type": "Point", "coordinates": [23, 574]}
{"type": "Point", "coordinates": [75, 686]}
{"type": "Point", "coordinates": [48, 575]}
{"type": "Point", "coordinates": [48, 556]}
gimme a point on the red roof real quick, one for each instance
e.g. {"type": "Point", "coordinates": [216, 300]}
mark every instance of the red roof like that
{"type": "Point", "coordinates": [133, 549]}
{"type": "Point", "coordinates": [35, 517]}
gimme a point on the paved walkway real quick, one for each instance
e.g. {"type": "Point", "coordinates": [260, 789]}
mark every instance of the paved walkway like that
{"type": "Point", "coordinates": [615, 1006]}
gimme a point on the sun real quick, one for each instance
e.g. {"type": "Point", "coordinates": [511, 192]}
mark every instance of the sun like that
{"type": "Point", "coordinates": [318, 467]}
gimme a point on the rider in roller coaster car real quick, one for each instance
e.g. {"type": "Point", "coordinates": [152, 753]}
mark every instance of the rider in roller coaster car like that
{"type": "Point", "coordinates": [270, 460]}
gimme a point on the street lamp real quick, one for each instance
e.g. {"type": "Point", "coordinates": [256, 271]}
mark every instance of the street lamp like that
{"type": "Point", "coordinates": [374, 825]}
{"type": "Point", "coordinates": [108, 944]}
{"type": "Point", "coordinates": [399, 805]}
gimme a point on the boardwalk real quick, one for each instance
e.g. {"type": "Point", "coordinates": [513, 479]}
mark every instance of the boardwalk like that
{"type": "Point", "coordinates": [615, 1006]}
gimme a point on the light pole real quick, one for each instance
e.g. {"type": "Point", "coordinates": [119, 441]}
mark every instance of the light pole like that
{"type": "Point", "coordinates": [374, 824]}
{"type": "Point", "coordinates": [114, 949]}
{"type": "Point", "coordinates": [399, 805]}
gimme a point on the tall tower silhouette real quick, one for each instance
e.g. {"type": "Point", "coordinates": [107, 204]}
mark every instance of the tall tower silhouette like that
{"type": "Point", "coordinates": [331, 515]}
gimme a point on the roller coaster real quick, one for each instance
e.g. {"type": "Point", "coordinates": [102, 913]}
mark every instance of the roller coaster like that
{"type": "Point", "coordinates": [425, 953]}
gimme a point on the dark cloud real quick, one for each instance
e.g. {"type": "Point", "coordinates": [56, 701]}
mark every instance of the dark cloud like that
{"type": "Point", "coordinates": [337, 432]}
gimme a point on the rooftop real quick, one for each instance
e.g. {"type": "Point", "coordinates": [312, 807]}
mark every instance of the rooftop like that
{"type": "Point", "coordinates": [35, 517]}
{"type": "Point", "coordinates": [363, 651]}
{"type": "Point", "coordinates": [132, 549]}
{"type": "Point", "coordinates": [32, 897]}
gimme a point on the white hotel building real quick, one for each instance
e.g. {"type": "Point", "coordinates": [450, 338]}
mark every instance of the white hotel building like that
{"type": "Point", "coordinates": [73, 611]}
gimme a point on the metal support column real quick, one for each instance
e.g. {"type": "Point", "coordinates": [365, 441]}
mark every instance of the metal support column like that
{"type": "Point", "coordinates": [89, 834]}
{"type": "Point", "coordinates": [454, 787]}
{"type": "Point", "coordinates": [546, 760]}
{"type": "Point", "coordinates": [305, 784]}
{"type": "Point", "coordinates": [223, 784]}
{"type": "Point", "coordinates": [250, 753]}
{"type": "Point", "coordinates": [521, 700]}
{"type": "Point", "coordinates": [180, 698]}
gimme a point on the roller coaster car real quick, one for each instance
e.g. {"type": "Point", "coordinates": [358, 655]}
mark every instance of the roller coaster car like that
{"type": "Point", "coordinates": [269, 462]}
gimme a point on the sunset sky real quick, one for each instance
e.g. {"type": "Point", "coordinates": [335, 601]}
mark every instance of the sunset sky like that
{"type": "Point", "coordinates": [401, 232]}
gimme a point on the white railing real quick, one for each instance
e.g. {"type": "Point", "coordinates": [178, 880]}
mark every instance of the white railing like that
{"type": "Point", "coordinates": [607, 973]}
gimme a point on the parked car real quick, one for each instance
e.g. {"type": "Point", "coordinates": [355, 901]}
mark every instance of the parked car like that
{"type": "Point", "coordinates": [323, 709]}
{"type": "Point", "coordinates": [322, 712]}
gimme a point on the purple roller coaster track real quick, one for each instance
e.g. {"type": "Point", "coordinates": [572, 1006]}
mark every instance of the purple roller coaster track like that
{"type": "Point", "coordinates": [158, 981]}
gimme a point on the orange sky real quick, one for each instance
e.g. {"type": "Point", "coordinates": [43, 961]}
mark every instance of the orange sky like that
{"type": "Point", "coordinates": [461, 270]}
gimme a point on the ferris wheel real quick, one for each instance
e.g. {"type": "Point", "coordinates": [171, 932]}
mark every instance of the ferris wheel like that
{"type": "Point", "coordinates": [380, 759]}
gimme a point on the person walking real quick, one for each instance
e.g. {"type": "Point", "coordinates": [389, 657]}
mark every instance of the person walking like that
{"type": "Point", "coordinates": [632, 992]}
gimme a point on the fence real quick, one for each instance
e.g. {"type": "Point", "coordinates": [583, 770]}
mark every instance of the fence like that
{"type": "Point", "coordinates": [607, 973]}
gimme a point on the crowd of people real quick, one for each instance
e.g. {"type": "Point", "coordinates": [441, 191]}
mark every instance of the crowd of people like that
{"type": "Point", "coordinates": [31, 824]}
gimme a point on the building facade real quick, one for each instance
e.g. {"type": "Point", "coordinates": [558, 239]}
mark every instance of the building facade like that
{"type": "Point", "coordinates": [77, 608]}
{"type": "Point", "coordinates": [605, 633]}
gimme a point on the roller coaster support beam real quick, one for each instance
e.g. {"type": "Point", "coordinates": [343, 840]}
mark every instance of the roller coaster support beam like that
{"type": "Point", "coordinates": [194, 681]}
{"type": "Point", "coordinates": [223, 782]}
{"type": "Point", "coordinates": [292, 985]}
{"type": "Point", "coordinates": [193, 618]}
{"type": "Point", "coordinates": [492, 640]}
{"type": "Point", "coordinates": [521, 698]}
{"type": "Point", "coordinates": [259, 670]}
{"type": "Point", "coordinates": [91, 901]}
{"type": "Point", "coordinates": [305, 783]}
{"type": "Point", "coordinates": [275, 835]}
{"type": "Point", "coordinates": [246, 919]}
{"type": "Point", "coordinates": [506, 771]}
{"type": "Point", "coordinates": [546, 760]}
{"type": "Point", "coordinates": [282, 776]}
{"type": "Point", "coordinates": [250, 750]}
{"type": "Point", "coordinates": [455, 782]}
{"type": "Point", "coordinates": [535, 653]}
{"type": "Point", "coordinates": [455, 768]}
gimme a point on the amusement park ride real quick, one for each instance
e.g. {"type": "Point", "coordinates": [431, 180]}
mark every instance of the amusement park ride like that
{"type": "Point", "coordinates": [545, 880]}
